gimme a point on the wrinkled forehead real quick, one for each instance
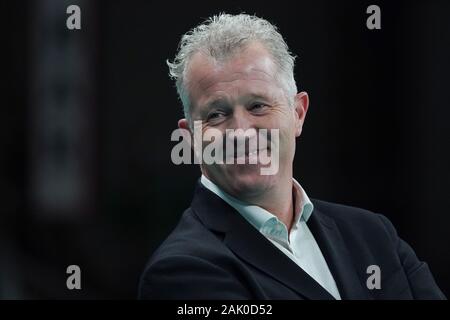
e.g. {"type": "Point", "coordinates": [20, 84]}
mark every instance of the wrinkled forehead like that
{"type": "Point", "coordinates": [253, 64]}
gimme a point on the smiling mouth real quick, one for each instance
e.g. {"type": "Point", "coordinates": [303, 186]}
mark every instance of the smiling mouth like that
{"type": "Point", "coordinates": [249, 153]}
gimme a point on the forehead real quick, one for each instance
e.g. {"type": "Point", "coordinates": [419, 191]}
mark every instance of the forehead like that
{"type": "Point", "coordinates": [252, 69]}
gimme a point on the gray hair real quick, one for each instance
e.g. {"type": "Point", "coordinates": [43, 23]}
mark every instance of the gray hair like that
{"type": "Point", "coordinates": [219, 37]}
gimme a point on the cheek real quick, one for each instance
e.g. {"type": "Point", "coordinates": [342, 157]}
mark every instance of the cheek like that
{"type": "Point", "coordinates": [287, 139]}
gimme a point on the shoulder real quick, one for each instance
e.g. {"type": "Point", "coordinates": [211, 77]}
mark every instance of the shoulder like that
{"type": "Point", "coordinates": [356, 219]}
{"type": "Point", "coordinates": [338, 210]}
{"type": "Point", "coordinates": [192, 263]}
{"type": "Point", "coordinates": [191, 244]}
{"type": "Point", "coordinates": [189, 238]}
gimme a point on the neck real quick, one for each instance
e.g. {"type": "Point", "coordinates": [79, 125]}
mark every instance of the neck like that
{"type": "Point", "coordinates": [278, 201]}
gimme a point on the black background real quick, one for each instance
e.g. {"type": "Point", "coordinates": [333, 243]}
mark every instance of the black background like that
{"type": "Point", "coordinates": [376, 133]}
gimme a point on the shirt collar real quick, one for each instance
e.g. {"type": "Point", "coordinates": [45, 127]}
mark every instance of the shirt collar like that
{"type": "Point", "coordinates": [258, 216]}
{"type": "Point", "coordinates": [303, 206]}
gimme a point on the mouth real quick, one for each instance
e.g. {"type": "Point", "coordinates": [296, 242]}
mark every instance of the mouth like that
{"type": "Point", "coordinates": [250, 153]}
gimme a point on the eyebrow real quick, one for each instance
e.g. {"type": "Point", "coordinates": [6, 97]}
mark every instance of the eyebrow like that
{"type": "Point", "coordinates": [259, 96]}
{"type": "Point", "coordinates": [217, 103]}
{"type": "Point", "coordinates": [224, 103]}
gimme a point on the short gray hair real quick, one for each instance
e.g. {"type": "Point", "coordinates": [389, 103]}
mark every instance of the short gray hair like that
{"type": "Point", "coordinates": [219, 37]}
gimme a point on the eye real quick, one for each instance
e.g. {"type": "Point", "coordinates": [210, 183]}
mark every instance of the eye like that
{"type": "Point", "coordinates": [257, 106]}
{"type": "Point", "coordinates": [214, 115]}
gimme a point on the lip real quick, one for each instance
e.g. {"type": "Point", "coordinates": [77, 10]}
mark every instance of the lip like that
{"type": "Point", "coordinates": [250, 153]}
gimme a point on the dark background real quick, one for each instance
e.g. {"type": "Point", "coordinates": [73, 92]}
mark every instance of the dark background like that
{"type": "Point", "coordinates": [86, 176]}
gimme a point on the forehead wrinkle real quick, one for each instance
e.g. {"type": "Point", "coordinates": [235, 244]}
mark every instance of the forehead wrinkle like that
{"type": "Point", "coordinates": [236, 77]}
{"type": "Point", "coordinates": [214, 73]}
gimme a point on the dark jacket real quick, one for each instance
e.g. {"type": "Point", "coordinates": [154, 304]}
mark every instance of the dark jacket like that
{"type": "Point", "coordinates": [214, 253]}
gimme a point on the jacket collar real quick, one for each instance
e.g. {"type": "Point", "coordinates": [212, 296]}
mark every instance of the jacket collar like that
{"type": "Point", "coordinates": [337, 255]}
{"type": "Point", "coordinates": [251, 246]}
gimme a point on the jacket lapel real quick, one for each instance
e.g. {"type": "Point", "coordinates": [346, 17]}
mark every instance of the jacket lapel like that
{"type": "Point", "coordinates": [337, 256]}
{"type": "Point", "coordinates": [251, 246]}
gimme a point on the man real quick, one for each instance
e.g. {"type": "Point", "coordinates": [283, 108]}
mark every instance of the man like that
{"type": "Point", "coordinates": [249, 235]}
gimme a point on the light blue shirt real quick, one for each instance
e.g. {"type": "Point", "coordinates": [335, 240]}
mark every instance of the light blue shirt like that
{"type": "Point", "coordinates": [298, 244]}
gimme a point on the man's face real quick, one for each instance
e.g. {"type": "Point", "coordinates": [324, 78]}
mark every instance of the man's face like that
{"type": "Point", "coordinates": [244, 93]}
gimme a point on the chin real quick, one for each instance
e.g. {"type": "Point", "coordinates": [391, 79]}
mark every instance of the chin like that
{"type": "Point", "coordinates": [248, 182]}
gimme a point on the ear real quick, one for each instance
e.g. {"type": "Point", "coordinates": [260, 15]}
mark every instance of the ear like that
{"type": "Point", "coordinates": [187, 133]}
{"type": "Point", "coordinates": [184, 124]}
{"type": "Point", "coordinates": [301, 104]}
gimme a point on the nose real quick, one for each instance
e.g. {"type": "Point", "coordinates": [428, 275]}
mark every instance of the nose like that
{"type": "Point", "coordinates": [243, 127]}
{"type": "Point", "coordinates": [241, 119]}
